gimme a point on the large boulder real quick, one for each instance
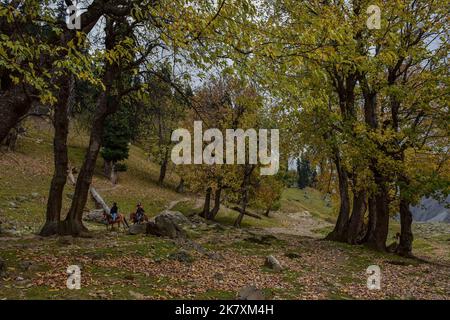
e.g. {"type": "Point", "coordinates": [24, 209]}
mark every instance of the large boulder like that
{"type": "Point", "coordinates": [175, 216]}
{"type": "Point", "coordinates": [137, 229]}
{"type": "Point", "coordinates": [166, 225]}
{"type": "Point", "coordinates": [272, 263]}
{"type": "Point", "coordinates": [95, 216]}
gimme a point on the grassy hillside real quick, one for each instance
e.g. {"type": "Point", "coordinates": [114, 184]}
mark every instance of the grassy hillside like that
{"type": "Point", "coordinates": [221, 259]}
{"type": "Point", "coordinates": [25, 177]}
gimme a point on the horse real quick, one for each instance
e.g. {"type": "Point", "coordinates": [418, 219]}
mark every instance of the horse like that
{"type": "Point", "coordinates": [120, 218]}
{"type": "Point", "coordinates": [133, 218]}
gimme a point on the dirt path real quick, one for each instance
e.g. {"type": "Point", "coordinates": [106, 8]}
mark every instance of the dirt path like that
{"type": "Point", "coordinates": [298, 223]}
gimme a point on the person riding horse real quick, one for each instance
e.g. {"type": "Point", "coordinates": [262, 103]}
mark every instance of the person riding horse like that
{"type": "Point", "coordinates": [139, 213]}
{"type": "Point", "coordinates": [114, 211]}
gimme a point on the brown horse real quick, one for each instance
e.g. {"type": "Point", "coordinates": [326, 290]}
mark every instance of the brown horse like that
{"type": "Point", "coordinates": [120, 219]}
{"type": "Point", "coordinates": [133, 218]}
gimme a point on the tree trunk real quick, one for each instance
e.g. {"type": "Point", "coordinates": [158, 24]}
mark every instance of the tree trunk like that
{"type": "Point", "coordinates": [180, 187]}
{"type": "Point", "coordinates": [99, 200]}
{"type": "Point", "coordinates": [60, 156]}
{"type": "Point", "coordinates": [11, 139]}
{"type": "Point", "coordinates": [406, 235]}
{"type": "Point", "coordinates": [215, 209]}
{"type": "Point", "coordinates": [356, 220]}
{"type": "Point", "coordinates": [163, 169]}
{"type": "Point", "coordinates": [246, 212]}
{"type": "Point", "coordinates": [371, 223]}
{"type": "Point", "coordinates": [339, 232]}
{"type": "Point", "coordinates": [382, 221]}
{"type": "Point", "coordinates": [107, 168]}
{"type": "Point", "coordinates": [106, 104]}
{"type": "Point", "coordinates": [205, 212]}
{"type": "Point", "coordinates": [14, 104]}
{"type": "Point", "coordinates": [248, 169]}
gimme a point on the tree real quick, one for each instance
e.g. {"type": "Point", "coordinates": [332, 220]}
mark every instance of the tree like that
{"type": "Point", "coordinates": [306, 175]}
{"type": "Point", "coordinates": [116, 139]}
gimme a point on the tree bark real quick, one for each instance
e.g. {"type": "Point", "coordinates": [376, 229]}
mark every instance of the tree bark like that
{"type": "Point", "coordinates": [180, 187]}
{"type": "Point", "coordinates": [206, 206]}
{"type": "Point", "coordinates": [215, 209]}
{"type": "Point", "coordinates": [339, 232]}
{"type": "Point", "coordinates": [406, 236]}
{"type": "Point", "coordinates": [163, 169]}
{"type": "Point", "coordinates": [60, 156]}
{"type": "Point", "coordinates": [371, 223]}
{"type": "Point", "coordinates": [248, 169]}
{"type": "Point", "coordinates": [106, 104]}
{"type": "Point", "coordinates": [14, 104]}
{"type": "Point", "coordinates": [382, 221]}
{"type": "Point", "coordinates": [356, 219]}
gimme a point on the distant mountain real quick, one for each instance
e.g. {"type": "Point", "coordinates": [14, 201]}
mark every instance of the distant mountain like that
{"type": "Point", "coordinates": [431, 210]}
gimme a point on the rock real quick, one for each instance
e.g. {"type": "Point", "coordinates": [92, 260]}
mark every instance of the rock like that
{"type": "Point", "coordinates": [165, 225]}
{"type": "Point", "coordinates": [292, 255]}
{"type": "Point", "coordinates": [66, 240]}
{"type": "Point", "coordinates": [25, 265]}
{"type": "Point", "coordinates": [196, 219]}
{"type": "Point", "coordinates": [251, 293]}
{"type": "Point", "coordinates": [95, 216]}
{"type": "Point", "coordinates": [192, 245]}
{"type": "Point", "coordinates": [136, 295]}
{"type": "Point", "coordinates": [13, 205]}
{"type": "Point", "coordinates": [181, 256]}
{"type": "Point", "coordinates": [175, 216]}
{"type": "Point", "coordinates": [34, 195]}
{"type": "Point", "coordinates": [266, 239]}
{"type": "Point", "coordinates": [21, 198]}
{"type": "Point", "coordinates": [214, 256]}
{"type": "Point", "coordinates": [11, 233]}
{"type": "Point", "coordinates": [20, 278]}
{"type": "Point", "coordinates": [137, 229]}
{"type": "Point", "coordinates": [272, 263]}
{"type": "Point", "coordinates": [218, 276]}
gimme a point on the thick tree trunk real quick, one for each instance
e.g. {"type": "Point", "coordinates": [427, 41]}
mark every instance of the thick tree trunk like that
{"type": "Point", "coordinates": [339, 232]}
{"type": "Point", "coordinates": [371, 223]}
{"type": "Point", "coordinates": [356, 220]}
{"type": "Point", "coordinates": [106, 104]}
{"type": "Point", "coordinates": [382, 221]}
{"type": "Point", "coordinates": [206, 206]}
{"type": "Point", "coordinates": [14, 104]}
{"type": "Point", "coordinates": [215, 209]}
{"type": "Point", "coordinates": [406, 236]}
{"type": "Point", "coordinates": [60, 157]}
{"type": "Point", "coordinates": [73, 222]}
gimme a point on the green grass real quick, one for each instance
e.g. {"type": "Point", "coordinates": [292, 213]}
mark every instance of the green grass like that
{"type": "Point", "coordinates": [308, 199]}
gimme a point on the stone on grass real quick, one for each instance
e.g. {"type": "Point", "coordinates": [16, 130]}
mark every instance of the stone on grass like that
{"type": "Point", "coordinates": [137, 229]}
{"type": "Point", "coordinates": [272, 263]}
{"type": "Point", "coordinates": [181, 256]}
{"type": "Point", "coordinates": [166, 225]}
{"type": "Point", "coordinates": [251, 293]}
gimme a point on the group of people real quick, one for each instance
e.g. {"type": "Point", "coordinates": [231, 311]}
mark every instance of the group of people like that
{"type": "Point", "coordinates": [139, 214]}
